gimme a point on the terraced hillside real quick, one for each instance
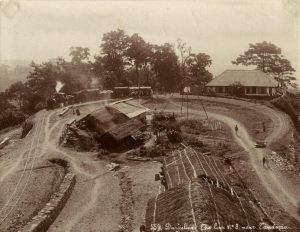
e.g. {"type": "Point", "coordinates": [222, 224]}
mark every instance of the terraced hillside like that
{"type": "Point", "coordinates": [202, 191]}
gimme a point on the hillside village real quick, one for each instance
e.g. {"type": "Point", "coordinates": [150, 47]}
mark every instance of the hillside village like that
{"type": "Point", "coordinates": [201, 159]}
{"type": "Point", "coordinates": [145, 132]}
{"type": "Point", "coordinates": [196, 171]}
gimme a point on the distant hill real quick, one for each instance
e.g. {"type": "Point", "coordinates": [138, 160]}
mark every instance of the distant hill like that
{"type": "Point", "coordinates": [13, 71]}
{"type": "Point", "coordinates": [13, 63]}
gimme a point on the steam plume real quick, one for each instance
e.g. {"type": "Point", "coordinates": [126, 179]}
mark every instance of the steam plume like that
{"type": "Point", "coordinates": [59, 85]}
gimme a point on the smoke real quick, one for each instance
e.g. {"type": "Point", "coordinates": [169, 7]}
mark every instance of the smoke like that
{"type": "Point", "coordinates": [59, 85]}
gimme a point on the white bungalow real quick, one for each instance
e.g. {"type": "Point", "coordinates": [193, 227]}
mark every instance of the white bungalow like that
{"type": "Point", "coordinates": [254, 83]}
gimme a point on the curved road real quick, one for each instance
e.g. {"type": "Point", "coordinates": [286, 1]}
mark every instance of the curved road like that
{"type": "Point", "coordinates": [276, 185]}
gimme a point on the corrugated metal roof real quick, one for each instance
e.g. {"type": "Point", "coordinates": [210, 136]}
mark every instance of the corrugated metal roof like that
{"type": "Point", "coordinates": [255, 78]}
{"type": "Point", "coordinates": [131, 108]}
{"type": "Point", "coordinates": [126, 129]}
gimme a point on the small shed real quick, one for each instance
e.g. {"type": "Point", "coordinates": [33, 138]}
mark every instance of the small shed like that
{"type": "Point", "coordinates": [119, 123]}
{"type": "Point", "coordinates": [126, 134]}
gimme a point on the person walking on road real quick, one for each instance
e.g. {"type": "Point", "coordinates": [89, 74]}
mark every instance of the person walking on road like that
{"type": "Point", "coordinates": [265, 162]}
{"type": "Point", "coordinates": [236, 129]}
{"type": "Point", "coordinates": [263, 126]}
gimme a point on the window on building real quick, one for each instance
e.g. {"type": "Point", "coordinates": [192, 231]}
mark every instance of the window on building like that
{"type": "Point", "coordinates": [262, 90]}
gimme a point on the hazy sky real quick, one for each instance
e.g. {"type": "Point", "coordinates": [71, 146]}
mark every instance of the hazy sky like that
{"type": "Point", "coordinates": [223, 29]}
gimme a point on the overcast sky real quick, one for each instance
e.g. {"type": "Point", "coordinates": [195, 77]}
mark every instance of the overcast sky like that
{"type": "Point", "coordinates": [41, 30]}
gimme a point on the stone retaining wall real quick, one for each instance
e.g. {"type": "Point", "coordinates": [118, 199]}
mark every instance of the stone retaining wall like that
{"type": "Point", "coordinates": [42, 221]}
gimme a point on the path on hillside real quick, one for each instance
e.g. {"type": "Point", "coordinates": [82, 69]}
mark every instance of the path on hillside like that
{"type": "Point", "coordinates": [274, 184]}
{"type": "Point", "coordinates": [21, 160]}
{"type": "Point", "coordinates": [87, 199]}
{"type": "Point", "coordinates": [41, 144]}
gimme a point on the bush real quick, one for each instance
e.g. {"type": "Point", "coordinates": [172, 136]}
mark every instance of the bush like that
{"type": "Point", "coordinates": [211, 92]}
{"type": "Point", "coordinates": [194, 126]}
{"type": "Point", "coordinates": [26, 127]}
{"type": "Point", "coordinates": [165, 122]}
{"type": "Point", "coordinates": [39, 106]}
{"type": "Point", "coordinates": [163, 141]}
{"type": "Point", "coordinates": [174, 136]}
{"type": "Point", "coordinates": [102, 153]}
{"type": "Point", "coordinates": [236, 89]}
{"type": "Point", "coordinates": [286, 106]}
{"type": "Point", "coordinates": [193, 141]}
{"type": "Point", "coordinates": [11, 117]}
{"type": "Point", "coordinates": [157, 151]}
{"type": "Point", "coordinates": [143, 151]}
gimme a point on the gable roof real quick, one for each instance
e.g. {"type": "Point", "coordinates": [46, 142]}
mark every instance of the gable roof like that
{"type": "Point", "coordinates": [129, 107]}
{"type": "Point", "coordinates": [245, 77]}
{"type": "Point", "coordinates": [101, 120]}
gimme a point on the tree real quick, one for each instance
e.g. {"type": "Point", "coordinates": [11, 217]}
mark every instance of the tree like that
{"type": "Point", "coordinates": [267, 57]}
{"type": "Point", "coordinates": [138, 53]}
{"type": "Point", "coordinates": [79, 55]}
{"type": "Point", "coordinates": [185, 53]}
{"type": "Point", "coordinates": [237, 89]}
{"type": "Point", "coordinates": [42, 79]}
{"type": "Point", "coordinates": [165, 66]}
{"type": "Point", "coordinates": [4, 103]}
{"type": "Point", "coordinates": [80, 69]}
{"type": "Point", "coordinates": [19, 92]}
{"type": "Point", "coordinates": [113, 52]}
{"type": "Point", "coordinates": [283, 72]}
{"type": "Point", "coordinates": [197, 68]}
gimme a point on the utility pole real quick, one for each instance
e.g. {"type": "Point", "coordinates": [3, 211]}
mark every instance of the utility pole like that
{"type": "Point", "coordinates": [203, 107]}
{"type": "Point", "coordinates": [187, 106]}
{"type": "Point", "coordinates": [181, 102]}
{"type": "Point", "coordinates": [138, 79]}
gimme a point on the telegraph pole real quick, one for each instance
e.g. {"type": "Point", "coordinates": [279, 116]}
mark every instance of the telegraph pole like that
{"type": "Point", "coordinates": [203, 107]}
{"type": "Point", "coordinates": [181, 101]}
{"type": "Point", "coordinates": [187, 106]}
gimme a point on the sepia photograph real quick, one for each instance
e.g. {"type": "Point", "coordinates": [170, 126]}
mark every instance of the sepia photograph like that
{"type": "Point", "coordinates": [149, 116]}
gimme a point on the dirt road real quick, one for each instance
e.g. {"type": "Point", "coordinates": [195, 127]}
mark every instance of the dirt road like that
{"type": "Point", "coordinates": [19, 180]}
{"type": "Point", "coordinates": [95, 203]}
{"type": "Point", "coordinates": [89, 207]}
{"type": "Point", "coordinates": [282, 190]}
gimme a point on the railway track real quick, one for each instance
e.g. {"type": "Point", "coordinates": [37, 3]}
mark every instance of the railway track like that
{"type": "Point", "coordinates": [29, 157]}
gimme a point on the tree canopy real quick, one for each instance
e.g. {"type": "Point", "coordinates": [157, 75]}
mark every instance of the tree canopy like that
{"type": "Point", "coordinates": [122, 60]}
{"type": "Point", "coordinates": [79, 55]}
{"type": "Point", "coordinates": [113, 49]}
{"type": "Point", "coordinates": [268, 58]}
{"type": "Point", "coordinates": [165, 65]}
{"type": "Point", "coordinates": [197, 65]}
{"type": "Point", "coordinates": [130, 60]}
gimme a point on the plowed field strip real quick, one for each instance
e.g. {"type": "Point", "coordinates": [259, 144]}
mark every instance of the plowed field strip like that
{"type": "Point", "coordinates": [168, 177]}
